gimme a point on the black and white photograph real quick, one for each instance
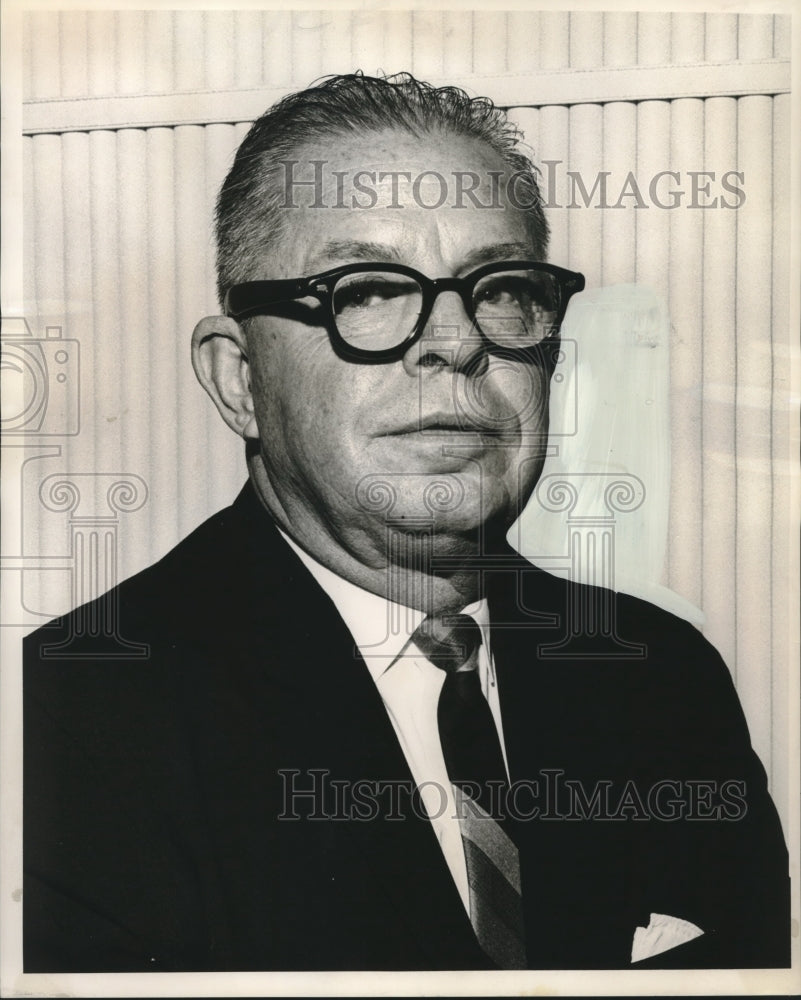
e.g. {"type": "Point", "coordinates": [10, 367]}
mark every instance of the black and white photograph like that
{"type": "Point", "coordinates": [400, 500]}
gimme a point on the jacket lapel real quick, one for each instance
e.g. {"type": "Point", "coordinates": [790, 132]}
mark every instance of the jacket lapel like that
{"type": "Point", "coordinates": [578, 893]}
{"type": "Point", "coordinates": [305, 654]}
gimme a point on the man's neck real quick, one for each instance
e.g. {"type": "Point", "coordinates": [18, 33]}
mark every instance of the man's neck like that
{"type": "Point", "coordinates": [434, 572]}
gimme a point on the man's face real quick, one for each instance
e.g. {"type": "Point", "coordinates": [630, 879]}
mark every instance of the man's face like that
{"type": "Point", "coordinates": [448, 432]}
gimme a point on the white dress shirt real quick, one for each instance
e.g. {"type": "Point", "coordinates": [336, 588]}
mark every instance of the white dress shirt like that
{"type": "Point", "coordinates": [410, 686]}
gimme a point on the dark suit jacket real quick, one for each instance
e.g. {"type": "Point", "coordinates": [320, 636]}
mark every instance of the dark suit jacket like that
{"type": "Point", "coordinates": [153, 793]}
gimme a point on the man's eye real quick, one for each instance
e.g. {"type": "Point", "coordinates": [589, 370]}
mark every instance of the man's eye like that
{"type": "Point", "coordinates": [508, 290]}
{"type": "Point", "coordinates": [502, 291]}
{"type": "Point", "coordinates": [357, 295]}
{"type": "Point", "coordinates": [365, 294]}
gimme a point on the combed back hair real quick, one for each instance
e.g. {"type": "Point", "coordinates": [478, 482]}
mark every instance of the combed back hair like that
{"type": "Point", "coordinates": [249, 219]}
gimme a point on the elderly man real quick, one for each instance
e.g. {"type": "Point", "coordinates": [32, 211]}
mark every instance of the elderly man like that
{"type": "Point", "coordinates": [368, 734]}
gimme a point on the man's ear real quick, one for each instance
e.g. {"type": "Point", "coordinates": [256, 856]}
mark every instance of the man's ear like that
{"type": "Point", "coordinates": [220, 360]}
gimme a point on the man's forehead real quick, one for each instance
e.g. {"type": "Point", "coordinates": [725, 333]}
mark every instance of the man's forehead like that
{"type": "Point", "coordinates": [463, 257]}
{"type": "Point", "coordinates": [395, 148]}
{"type": "Point", "coordinates": [396, 197]}
{"type": "Point", "coordinates": [394, 169]}
{"type": "Point", "coordinates": [441, 241]}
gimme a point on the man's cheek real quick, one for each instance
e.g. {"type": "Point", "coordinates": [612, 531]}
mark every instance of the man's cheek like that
{"type": "Point", "coordinates": [512, 393]}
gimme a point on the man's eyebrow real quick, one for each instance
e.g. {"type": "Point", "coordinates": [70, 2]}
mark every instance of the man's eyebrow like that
{"type": "Point", "coordinates": [497, 252]}
{"type": "Point", "coordinates": [357, 250]}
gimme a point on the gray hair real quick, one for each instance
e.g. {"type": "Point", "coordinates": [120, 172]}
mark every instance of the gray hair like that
{"type": "Point", "coordinates": [249, 221]}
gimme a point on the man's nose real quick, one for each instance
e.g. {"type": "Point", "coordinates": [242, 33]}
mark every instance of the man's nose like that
{"type": "Point", "coordinates": [449, 340]}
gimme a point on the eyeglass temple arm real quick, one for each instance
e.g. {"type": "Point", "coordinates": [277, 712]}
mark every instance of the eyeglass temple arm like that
{"type": "Point", "coordinates": [270, 293]}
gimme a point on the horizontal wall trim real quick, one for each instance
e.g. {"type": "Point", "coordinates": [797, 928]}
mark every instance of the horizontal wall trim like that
{"type": "Point", "coordinates": [541, 89]}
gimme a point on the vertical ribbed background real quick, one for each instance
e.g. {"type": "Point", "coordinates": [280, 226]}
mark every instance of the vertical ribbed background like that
{"type": "Point", "coordinates": [118, 252]}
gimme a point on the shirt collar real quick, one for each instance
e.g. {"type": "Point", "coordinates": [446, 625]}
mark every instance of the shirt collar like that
{"type": "Point", "coordinates": [380, 628]}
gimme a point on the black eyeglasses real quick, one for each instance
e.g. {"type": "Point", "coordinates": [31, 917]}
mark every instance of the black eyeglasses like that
{"type": "Point", "coordinates": [375, 312]}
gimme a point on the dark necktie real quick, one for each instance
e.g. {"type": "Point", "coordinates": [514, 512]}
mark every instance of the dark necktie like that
{"type": "Point", "coordinates": [474, 760]}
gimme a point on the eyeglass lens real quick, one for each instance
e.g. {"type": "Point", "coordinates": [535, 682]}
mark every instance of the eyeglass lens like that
{"type": "Point", "coordinates": [379, 310]}
{"type": "Point", "coordinates": [376, 310]}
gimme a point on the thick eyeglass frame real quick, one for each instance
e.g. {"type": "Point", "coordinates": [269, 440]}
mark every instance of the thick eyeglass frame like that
{"type": "Point", "coordinates": [254, 297]}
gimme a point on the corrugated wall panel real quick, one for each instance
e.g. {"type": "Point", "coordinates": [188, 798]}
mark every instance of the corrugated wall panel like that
{"type": "Point", "coordinates": [74, 75]}
{"type": "Point", "coordinates": [398, 41]}
{"type": "Point", "coordinates": [782, 37]}
{"type": "Point", "coordinates": [687, 38]}
{"type": "Point", "coordinates": [456, 44]}
{"type": "Point", "coordinates": [490, 25]}
{"type": "Point", "coordinates": [97, 259]}
{"type": "Point", "coordinates": [586, 39]}
{"type": "Point", "coordinates": [652, 228]}
{"type": "Point", "coordinates": [783, 564]}
{"type": "Point", "coordinates": [147, 51]}
{"type": "Point", "coordinates": [754, 396]}
{"type": "Point", "coordinates": [276, 46]}
{"type": "Point", "coordinates": [555, 41]}
{"type": "Point", "coordinates": [247, 48]}
{"type": "Point", "coordinates": [618, 226]}
{"type": "Point", "coordinates": [753, 415]}
{"type": "Point", "coordinates": [124, 263]}
{"type": "Point", "coordinates": [718, 376]}
{"type": "Point", "coordinates": [428, 52]}
{"type": "Point", "coordinates": [190, 36]}
{"type": "Point", "coordinates": [191, 302]}
{"type": "Point", "coordinates": [585, 225]}
{"type": "Point", "coordinates": [79, 250]}
{"type": "Point", "coordinates": [307, 49]}
{"type": "Point", "coordinates": [48, 246]}
{"type": "Point", "coordinates": [685, 296]}
{"type": "Point", "coordinates": [131, 61]}
{"type": "Point", "coordinates": [755, 36]}
{"type": "Point", "coordinates": [162, 259]}
{"type": "Point", "coordinates": [102, 61]}
{"type": "Point", "coordinates": [720, 37]}
{"type": "Point", "coordinates": [42, 54]}
{"type": "Point", "coordinates": [137, 355]}
{"type": "Point", "coordinates": [48, 229]}
{"type": "Point", "coordinates": [653, 38]}
{"type": "Point", "coordinates": [31, 211]}
{"type": "Point", "coordinates": [524, 41]}
{"type": "Point", "coordinates": [620, 38]}
{"type": "Point", "coordinates": [554, 145]}
{"type": "Point", "coordinates": [102, 401]}
{"type": "Point", "coordinates": [159, 43]}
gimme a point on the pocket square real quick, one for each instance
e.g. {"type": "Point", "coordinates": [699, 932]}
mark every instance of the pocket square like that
{"type": "Point", "coordinates": [662, 933]}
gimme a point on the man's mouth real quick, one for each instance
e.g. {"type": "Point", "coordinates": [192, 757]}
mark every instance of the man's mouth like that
{"type": "Point", "coordinates": [444, 424]}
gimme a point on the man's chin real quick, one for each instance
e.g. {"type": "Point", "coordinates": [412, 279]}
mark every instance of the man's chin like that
{"type": "Point", "coordinates": [447, 504]}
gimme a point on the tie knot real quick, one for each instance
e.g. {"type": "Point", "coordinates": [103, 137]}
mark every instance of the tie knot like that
{"type": "Point", "coordinates": [448, 641]}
